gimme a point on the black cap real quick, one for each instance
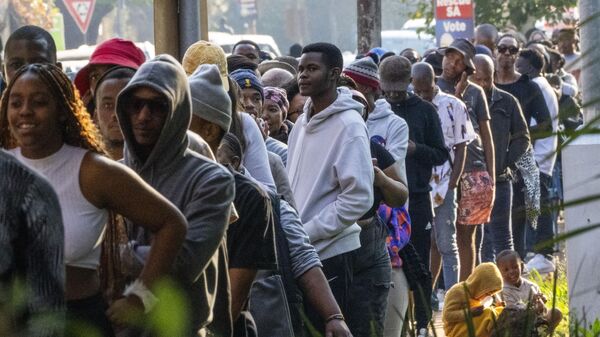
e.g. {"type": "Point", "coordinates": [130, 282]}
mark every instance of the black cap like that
{"type": "Point", "coordinates": [466, 48]}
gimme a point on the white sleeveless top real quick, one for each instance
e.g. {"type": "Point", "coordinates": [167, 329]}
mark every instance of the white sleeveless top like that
{"type": "Point", "coordinates": [84, 223]}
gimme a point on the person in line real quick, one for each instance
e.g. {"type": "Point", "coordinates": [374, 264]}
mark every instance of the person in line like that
{"type": "Point", "coordinates": [425, 150]}
{"type": "Point", "coordinates": [520, 292]}
{"type": "Point", "coordinates": [511, 140]}
{"type": "Point", "coordinates": [477, 183]}
{"type": "Point", "coordinates": [154, 112]}
{"type": "Point", "coordinates": [110, 53]}
{"type": "Point", "coordinates": [26, 45]}
{"type": "Point", "coordinates": [296, 100]}
{"type": "Point", "coordinates": [334, 194]}
{"type": "Point", "coordinates": [458, 132]}
{"type": "Point", "coordinates": [44, 123]}
{"type": "Point", "coordinates": [486, 34]}
{"type": "Point", "coordinates": [274, 113]}
{"type": "Point", "coordinates": [474, 300]}
{"type": "Point", "coordinates": [249, 49]}
{"type": "Point", "coordinates": [32, 241]}
{"type": "Point", "coordinates": [372, 266]}
{"type": "Point", "coordinates": [531, 63]}
{"type": "Point", "coordinates": [108, 87]}
{"type": "Point", "coordinates": [537, 117]}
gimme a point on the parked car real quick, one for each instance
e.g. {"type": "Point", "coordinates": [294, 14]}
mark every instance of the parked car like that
{"type": "Point", "coordinates": [398, 40]}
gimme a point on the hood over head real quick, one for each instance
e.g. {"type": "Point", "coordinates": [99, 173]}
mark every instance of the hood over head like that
{"type": "Point", "coordinates": [165, 75]}
{"type": "Point", "coordinates": [485, 279]}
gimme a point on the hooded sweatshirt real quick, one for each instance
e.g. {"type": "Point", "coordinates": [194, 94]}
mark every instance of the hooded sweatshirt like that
{"type": "Point", "coordinates": [201, 189]}
{"type": "Point", "coordinates": [485, 280]}
{"type": "Point", "coordinates": [426, 131]}
{"type": "Point", "coordinates": [331, 174]}
{"type": "Point", "coordinates": [382, 122]}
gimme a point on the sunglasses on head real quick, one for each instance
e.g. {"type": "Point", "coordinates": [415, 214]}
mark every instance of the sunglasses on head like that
{"type": "Point", "coordinates": [512, 50]}
{"type": "Point", "coordinates": [155, 105]}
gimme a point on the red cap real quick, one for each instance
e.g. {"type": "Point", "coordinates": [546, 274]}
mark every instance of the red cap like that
{"type": "Point", "coordinates": [117, 52]}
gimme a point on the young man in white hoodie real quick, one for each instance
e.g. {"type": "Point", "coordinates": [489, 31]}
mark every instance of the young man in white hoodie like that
{"type": "Point", "coordinates": [330, 168]}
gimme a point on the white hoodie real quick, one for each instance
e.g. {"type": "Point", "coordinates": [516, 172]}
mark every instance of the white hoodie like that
{"type": "Point", "coordinates": [331, 174]}
{"type": "Point", "coordinates": [383, 122]}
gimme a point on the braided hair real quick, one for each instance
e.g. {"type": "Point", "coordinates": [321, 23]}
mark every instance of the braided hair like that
{"type": "Point", "coordinates": [77, 130]}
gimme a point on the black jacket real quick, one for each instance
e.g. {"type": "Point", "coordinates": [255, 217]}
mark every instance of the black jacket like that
{"type": "Point", "coordinates": [509, 131]}
{"type": "Point", "coordinates": [425, 130]}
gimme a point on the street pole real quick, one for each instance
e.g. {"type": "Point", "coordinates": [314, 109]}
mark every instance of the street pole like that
{"type": "Point", "coordinates": [368, 14]}
{"type": "Point", "coordinates": [590, 72]}
{"type": "Point", "coordinates": [178, 24]}
{"type": "Point", "coordinates": [580, 180]}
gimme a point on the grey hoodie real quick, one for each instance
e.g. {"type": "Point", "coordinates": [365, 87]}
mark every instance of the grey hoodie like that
{"type": "Point", "coordinates": [331, 174]}
{"type": "Point", "coordinates": [201, 189]}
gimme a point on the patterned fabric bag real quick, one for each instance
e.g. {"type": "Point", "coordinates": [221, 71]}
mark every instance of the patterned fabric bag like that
{"type": "Point", "coordinates": [397, 221]}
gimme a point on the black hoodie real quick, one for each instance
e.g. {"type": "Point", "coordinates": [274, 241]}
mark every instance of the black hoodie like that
{"type": "Point", "coordinates": [424, 128]}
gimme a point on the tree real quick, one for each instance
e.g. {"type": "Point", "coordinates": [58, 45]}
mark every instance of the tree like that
{"type": "Point", "coordinates": [501, 13]}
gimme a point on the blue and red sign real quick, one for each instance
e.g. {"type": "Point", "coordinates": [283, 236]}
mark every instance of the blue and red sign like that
{"type": "Point", "coordinates": [453, 20]}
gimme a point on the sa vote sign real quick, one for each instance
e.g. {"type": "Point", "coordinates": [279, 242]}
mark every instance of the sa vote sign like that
{"type": "Point", "coordinates": [453, 20]}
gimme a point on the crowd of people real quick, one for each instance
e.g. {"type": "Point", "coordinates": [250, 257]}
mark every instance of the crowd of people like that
{"type": "Point", "coordinates": [287, 196]}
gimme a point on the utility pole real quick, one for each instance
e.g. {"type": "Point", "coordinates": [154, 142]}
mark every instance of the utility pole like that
{"type": "Point", "coordinates": [368, 14]}
{"type": "Point", "coordinates": [178, 24]}
{"type": "Point", "coordinates": [590, 63]}
{"type": "Point", "coordinates": [580, 179]}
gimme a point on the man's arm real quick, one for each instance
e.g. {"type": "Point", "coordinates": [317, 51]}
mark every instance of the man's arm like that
{"type": "Point", "coordinates": [485, 132]}
{"type": "Point", "coordinates": [460, 153]}
{"type": "Point", "coordinates": [208, 216]}
{"type": "Point", "coordinates": [317, 292]}
{"type": "Point", "coordinates": [540, 112]}
{"type": "Point", "coordinates": [519, 135]}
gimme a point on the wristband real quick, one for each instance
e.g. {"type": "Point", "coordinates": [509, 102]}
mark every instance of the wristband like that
{"type": "Point", "coordinates": [138, 289]}
{"type": "Point", "coordinates": [335, 317]}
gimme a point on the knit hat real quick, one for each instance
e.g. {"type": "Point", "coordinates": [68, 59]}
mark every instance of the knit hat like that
{"type": "Point", "coordinates": [278, 96]}
{"type": "Point", "coordinates": [394, 72]}
{"type": "Point", "coordinates": [246, 78]}
{"type": "Point", "coordinates": [116, 52]}
{"type": "Point", "coordinates": [209, 99]}
{"type": "Point", "coordinates": [466, 48]}
{"type": "Point", "coordinates": [204, 52]}
{"type": "Point", "coordinates": [363, 71]}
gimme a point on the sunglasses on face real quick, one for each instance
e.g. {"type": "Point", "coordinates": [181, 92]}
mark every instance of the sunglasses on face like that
{"type": "Point", "coordinates": [156, 106]}
{"type": "Point", "coordinates": [512, 50]}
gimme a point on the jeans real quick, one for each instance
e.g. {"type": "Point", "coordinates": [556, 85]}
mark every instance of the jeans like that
{"type": "Point", "coordinates": [371, 282]}
{"type": "Point", "coordinates": [445, 238]}
{"type": "Point", "coordinates": [397, 305]}
{"type": "Point", "coordinates": [518, 217]}
{"type": "Point", "coordinates": [498, 232]}
{"type": "Point", "coordinates": [547, 219]}
{"type": "Point", "coordinates": [339, 273]}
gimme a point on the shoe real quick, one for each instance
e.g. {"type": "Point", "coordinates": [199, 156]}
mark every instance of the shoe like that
{"type": "Point", "coordinates": [423, 333]}
{"type": "Point", "coordinates": [435, 304]}
{"type": "Point", "coordinates": [529, 256]}
{"type": "Point", "coordinates": [440, 295]}
{"type": "Point", "coordinates": [541, 264]}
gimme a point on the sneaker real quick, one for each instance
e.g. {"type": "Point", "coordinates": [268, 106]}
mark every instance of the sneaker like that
{"type": "Point", "coordinates": [440, 295]}
{"type": "Point", "coordinates": [529, 256]}
{"type": "Point", "coordinates": [541, 264]}
{"type": "Point", "coordinates": [435, 304]}
{"type": "Point", "coordinates": [423, 333]}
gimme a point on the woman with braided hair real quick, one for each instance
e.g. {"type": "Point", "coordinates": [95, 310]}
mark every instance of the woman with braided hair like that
{"type": "Point", "coordinates": [45, 125]}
